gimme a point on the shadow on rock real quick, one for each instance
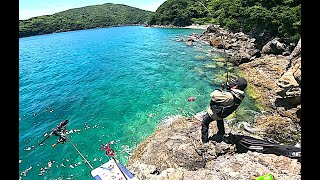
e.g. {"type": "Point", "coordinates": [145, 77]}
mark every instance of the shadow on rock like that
{"type": "Point", "coordinates": [247, 143]}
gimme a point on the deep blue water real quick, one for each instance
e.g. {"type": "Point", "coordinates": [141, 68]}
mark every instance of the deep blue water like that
{"type": "Point", "coordinates": [113, 85]}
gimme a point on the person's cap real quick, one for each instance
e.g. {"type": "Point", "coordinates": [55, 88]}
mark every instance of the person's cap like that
{"type": "Point", "coordinates": [240, 82]}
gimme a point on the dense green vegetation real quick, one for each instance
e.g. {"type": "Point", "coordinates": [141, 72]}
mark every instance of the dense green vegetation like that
{"type": "Point", "coordinates": [261, 19]}
{"type": "Point", "coordinates": [267, 18]}
{"type": "Point", "coordinates": [96, 16]}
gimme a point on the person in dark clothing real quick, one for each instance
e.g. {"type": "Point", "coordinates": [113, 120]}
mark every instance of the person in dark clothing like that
{"type": "Point", "coordinates": [60, 131]}
{"type": "Point", "coordinates": [222, 104]}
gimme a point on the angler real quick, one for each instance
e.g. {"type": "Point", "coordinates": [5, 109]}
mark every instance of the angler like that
{"type": "Point", "coordinates": [61, 132]}
{"type": "Point", "coordinates": [61, 128]}
{"type": "Point", "coordinates": [222, 104]}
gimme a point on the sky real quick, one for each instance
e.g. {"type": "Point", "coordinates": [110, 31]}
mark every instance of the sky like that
{"type": "Point", "coordinates": [33, 8]}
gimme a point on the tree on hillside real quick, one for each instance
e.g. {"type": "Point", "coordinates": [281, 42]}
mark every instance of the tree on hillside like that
{"type": "Point", "coordinates": [96, 16]}
{"type": "Point", "coordinates": [270, 18]}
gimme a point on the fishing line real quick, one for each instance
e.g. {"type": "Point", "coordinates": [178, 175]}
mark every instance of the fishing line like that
{"type": "Point", "coordinates": [79, 152]}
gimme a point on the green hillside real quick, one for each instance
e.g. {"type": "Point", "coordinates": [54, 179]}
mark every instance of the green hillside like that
{"type": "Point", "coordinates": [268, 18]}
{"type": "Point", "coordinates": [88, 17]}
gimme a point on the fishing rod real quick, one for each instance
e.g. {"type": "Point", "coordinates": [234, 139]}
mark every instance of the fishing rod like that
{"type": "Point", "coordinates": [204, 7]}
{"type": "Point", "coordinates": [222, 38]}
{"type": "Point", "coordinates": [224, 49]}
{"type": "Point", "coordinates": [226, 64]}
{"type": "Point", "coordinates": [44, 140]}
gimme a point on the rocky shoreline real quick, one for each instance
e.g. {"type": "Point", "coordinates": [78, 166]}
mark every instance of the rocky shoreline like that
{"type": "Point", "coordinates": [273, 72]}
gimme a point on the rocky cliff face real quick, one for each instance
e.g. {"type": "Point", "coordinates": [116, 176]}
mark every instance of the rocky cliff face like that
{"type": "Point", "coordinates": [273, 73]}
{"type": "Point", "coordinates": [175, 152]}
{"type": "Point", "coordinates": [276, 79]}
{"type": "Point", "coordinates": [274, 76]}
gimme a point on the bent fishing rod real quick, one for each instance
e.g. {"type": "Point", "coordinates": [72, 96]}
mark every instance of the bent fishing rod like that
{"type": "Point", "coordinates": [224, 48]}
{"type": "Point", "coordinates": [226, 64]}
{"type": "Point", "coordinates": [204, 6]}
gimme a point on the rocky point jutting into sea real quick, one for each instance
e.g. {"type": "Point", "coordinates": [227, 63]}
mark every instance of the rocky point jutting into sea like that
{"type": "Point", "coordinates": [175, 151]}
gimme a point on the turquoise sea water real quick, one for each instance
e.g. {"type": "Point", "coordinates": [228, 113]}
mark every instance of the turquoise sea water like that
{"type": "Point", "coordinates": [113, 85]}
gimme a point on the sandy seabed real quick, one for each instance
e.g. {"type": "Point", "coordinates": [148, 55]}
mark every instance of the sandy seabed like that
{"type": "Point", "coordinates": [196, 27]}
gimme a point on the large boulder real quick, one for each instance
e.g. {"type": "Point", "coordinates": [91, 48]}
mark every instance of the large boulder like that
{"type": "Point", "coordinates": [274, 47]}
{"type": "Point", "coordinates": [288, 92]}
